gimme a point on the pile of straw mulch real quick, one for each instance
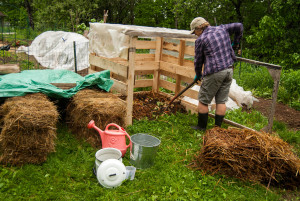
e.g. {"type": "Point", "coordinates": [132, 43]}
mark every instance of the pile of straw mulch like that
{"type": "Point", "coordinates": [97, 105]}
{"type": "Point", "coordinates": [249, 155]}
{"type": "Point", "coordinates": [28, 129]}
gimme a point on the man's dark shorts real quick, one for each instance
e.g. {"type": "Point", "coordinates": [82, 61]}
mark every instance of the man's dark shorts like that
{"type": "Point", "coordinates": [216, 85]}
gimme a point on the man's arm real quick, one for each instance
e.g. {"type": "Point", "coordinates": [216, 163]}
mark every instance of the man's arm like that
{"type": "Point", "coordinates": [236, 29]}
{"type": "Point", "coordinates": [199, 58]}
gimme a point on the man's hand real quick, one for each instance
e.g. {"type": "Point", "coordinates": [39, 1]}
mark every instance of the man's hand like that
{"type": "Point", "coordinates": [235, 46]}
{"type": "Point", "coordinates": [197, 78]}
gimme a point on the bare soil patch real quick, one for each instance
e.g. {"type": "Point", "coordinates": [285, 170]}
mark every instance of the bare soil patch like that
{"type": "Point", "coordinates": [283, 113]}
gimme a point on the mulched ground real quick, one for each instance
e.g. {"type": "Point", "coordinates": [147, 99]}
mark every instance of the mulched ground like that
{"type": "Point", "coordinates": [151, 105]}
{"type": "Point", "coordinates": [283, 113]}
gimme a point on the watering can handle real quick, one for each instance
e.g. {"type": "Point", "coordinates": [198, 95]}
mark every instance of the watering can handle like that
{"type": "Point", "coordinates": [113, 124]}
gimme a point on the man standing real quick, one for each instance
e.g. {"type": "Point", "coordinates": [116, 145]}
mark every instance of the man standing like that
{"type": "Point", "coordinates": [214, 50]}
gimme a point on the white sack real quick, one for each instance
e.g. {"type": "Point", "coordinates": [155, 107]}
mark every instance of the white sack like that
{"type": "Point", "coordinates": [237, 97]}
{"type": "Point", "coordinates": [242, 97]}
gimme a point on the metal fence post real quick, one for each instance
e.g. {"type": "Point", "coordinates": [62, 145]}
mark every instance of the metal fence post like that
{"type": "Point", "coordinates": [75, 58]}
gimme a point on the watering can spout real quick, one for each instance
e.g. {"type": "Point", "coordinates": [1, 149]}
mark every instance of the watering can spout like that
{"type": "Point", "coordinates": [92, 125]}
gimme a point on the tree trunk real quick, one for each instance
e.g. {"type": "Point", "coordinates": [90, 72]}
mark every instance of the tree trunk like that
{"type": "Point", "coordinates": [237, 6]}
{"type": "Point", "coordinates": [29, 12]}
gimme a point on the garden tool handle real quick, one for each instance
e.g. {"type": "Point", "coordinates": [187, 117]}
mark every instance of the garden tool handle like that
{"type": "Point", "coordinates": [179, 94]}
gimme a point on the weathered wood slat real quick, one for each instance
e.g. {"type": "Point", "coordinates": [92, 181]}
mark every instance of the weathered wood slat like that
{"type": "Point", "coordinates": [146, 65]}
{"type": "Point", "coordinates": [189, 50]}
{"type": "Point", "coordinates": [143, 44]}
{"type": "Point", "coordinates": [273, 66]}
{"type": "Point", "coordinates": [167, 85]}
{"type": "Point", "coordinates": [64, 85]}
{"type": "Point", "coordinates": [176, 69]}
{"type": "Point", "coordinates": [119, 86]}
{"type": "Point", "coordinates": [170, 46]}
{"type": "Point", "coordinates": [143, 72]}
{"type": "Point", "coordinates": [9, 68]}
{"type": "Point", "coordinates": [145, 57]}
{"type": "Point", "coordinates": [143, 83]}
{"type": "Point", "coordinates": [104, 63]}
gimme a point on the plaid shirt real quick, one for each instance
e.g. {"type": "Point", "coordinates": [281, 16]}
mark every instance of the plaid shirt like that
{"type": "Point", "coordinates": [213, 48]}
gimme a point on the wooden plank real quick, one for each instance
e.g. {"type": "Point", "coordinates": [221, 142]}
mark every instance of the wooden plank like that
{"type": "Point", "coordinates": [170, 46]}
{"type": "Point", "coordinates": [172, 75]}
{"type": "Point", "coordinates": [9, 68]}
{"type": "Point", "coordinates": [181, 52]}
{"type": "Point", "coordinates": [168, 74]}
{"type": "Point", "coordinates": [116, 68]}
{"type": "Point", "coordinates": [143, 44]}
{"type": "Point", "coordinates": [143, 83]}
{"type": "Point", "coordinates": [130, 81]}
{"type": "Point", "coordinates": [176, 69]}
{"type": "Point", "coordinates": [180, 63]}
{"type": "Point", "coordinates": [169, 59]}
{"type": "Point", "coordinates": [272, 66]}
{"type": "Point", "coordinates": [143, 72]}
{"type": "Point", "coordinates": [189, 93]}
{"type": "Point", "coordinates": [158, 56]}
{"type": "Point", "coordinates": [189, 50]}
{"type": "Point", "coordinates": [145, 57]}
{"type": "Point", "coordinates": [146, 65]}
{"type": "Point", "coordinates": [188, 63]}
{"type": "Point", "coordinates": [167, 85]}
{"type": "Point", "coordinates": [119, 86]}
{"type": "Point", "coordinates": [64, 85]}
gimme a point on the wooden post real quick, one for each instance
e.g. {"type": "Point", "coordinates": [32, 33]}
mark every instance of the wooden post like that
{"type": "Point", "coordinates": [158, 53]}
{"type": "Point", "coordinates": [275, 71]}
{"type": "Point", "coordinates": [275, 74]}
{"type": "Point", "coordinates": [130, 80]}
{"type": "Point", "coordinates": [180, 62]}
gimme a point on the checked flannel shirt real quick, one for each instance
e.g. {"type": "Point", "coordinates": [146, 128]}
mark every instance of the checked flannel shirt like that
{"type": "Point", "coordinates": [213, 48]}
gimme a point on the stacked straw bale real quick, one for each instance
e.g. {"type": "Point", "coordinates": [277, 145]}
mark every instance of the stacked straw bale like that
{"type": "Point", "coordinates": [28, 129]}
{"type": "Point", "coordinates": [97, 105]}
{"type": "Point", "coordinates": [249, 155]}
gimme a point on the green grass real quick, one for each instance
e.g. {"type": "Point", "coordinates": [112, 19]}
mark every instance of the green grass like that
{"type": "Point", "coordinates": [67, 173]}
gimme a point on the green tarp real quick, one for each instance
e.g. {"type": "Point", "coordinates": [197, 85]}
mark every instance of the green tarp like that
{"type": "Point", "coordinates": [35, 81]}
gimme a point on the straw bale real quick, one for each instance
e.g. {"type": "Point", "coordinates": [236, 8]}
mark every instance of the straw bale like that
{"type": "Point", "coordinates": [249, 155]}
{"type": "Point", "coordinates": [28, 129]}
{"type": "Point", "coordinates": [97, 105]}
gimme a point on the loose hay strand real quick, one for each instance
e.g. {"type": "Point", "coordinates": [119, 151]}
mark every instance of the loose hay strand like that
{"type": "Point", "coordinates": [249, 155]}
{"type": "Point", "coordinates": [28, 129]}
{"type": "Point", "coordinates": [97, 105]}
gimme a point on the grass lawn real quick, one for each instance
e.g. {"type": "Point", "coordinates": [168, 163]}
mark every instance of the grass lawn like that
{"type": "Point", "coordinates": [67, 173]}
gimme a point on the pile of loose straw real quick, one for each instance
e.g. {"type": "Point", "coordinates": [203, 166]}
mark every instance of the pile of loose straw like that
{"type": "Point", "coordinates": [249, 155]}
{"type": "Point", "coordinates": [97, 105]}
{"type": "Point", "coordinates": [28, 129]}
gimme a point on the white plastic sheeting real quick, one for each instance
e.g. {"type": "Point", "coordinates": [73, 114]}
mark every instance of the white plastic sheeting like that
{"type": "Point", "coordinates": [237, 98]}
{"type": "Point", "coordinates": [112, 40]}
{"type": "Point", "coordinates": [55, 50]}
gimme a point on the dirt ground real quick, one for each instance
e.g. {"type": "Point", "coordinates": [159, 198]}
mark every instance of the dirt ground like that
{"type": "Point", "coordinates": [283, 113]}
{"type": "Point", "coordinates": [152, 105]}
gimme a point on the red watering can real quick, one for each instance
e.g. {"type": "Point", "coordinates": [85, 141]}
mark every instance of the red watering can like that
{"type": "Point", "coordinates": [112, 138]}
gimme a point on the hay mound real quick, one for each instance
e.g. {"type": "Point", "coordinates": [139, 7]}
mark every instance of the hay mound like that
{"type": "Point", "coordinates": [28, 129]}
{"type": "Point", "coordinates": [97, 105]}
{"type": "Point", "coordinates": [249, 155]}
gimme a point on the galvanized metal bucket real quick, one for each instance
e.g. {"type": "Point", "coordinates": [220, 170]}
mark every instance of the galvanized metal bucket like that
{"type": "Point", "coordinates": [143, 150]}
